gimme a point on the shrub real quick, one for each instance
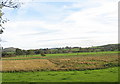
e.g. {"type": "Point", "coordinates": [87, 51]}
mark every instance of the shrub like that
{"type": "Point", "coordinates": [42, 54]}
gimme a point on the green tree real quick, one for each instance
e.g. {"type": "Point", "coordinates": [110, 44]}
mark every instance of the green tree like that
{"type": "Point", "coordinates": [37, 51]}
{"type": "Point", "coordinates": [30, 52]}
{"type": "Point", "coordinates": [19, 52]}
{"type": "Point", "coordinates": [42, 53]}
{"type": "Point", "coordinates": [9, 4]}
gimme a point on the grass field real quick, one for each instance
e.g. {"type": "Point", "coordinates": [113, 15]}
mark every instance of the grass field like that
{"type": "Point", "coordinates": [102, 75]}
{"type": "Point", "coordinates": [72, 62]}
{"type": "Point", "coordinates": [67, 54]}
{"type": "Point", "coordinates": [71, 67]}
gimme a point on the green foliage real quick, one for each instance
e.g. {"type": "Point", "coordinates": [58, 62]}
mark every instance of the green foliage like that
{"type": "Point", "coordinates": [30, 52]}
{"type": "Point", "coordinates": [69, 50]}
{"type": "Point", "coordinates": [1, 12]}
{"type": "Point", "coordinates": [19, 52]}
{"type": "Point", "coordinates": [9, 4]}
{"type": "Point", "coordinates": [42, 54]}
{"type": "Point", "coordinates": [8, 54]}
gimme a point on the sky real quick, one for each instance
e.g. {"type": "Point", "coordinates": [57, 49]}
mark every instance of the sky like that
{"type": "Point", "coordinates": [59, 23]}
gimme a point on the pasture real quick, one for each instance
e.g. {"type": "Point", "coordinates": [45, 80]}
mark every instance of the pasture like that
{"type": "Point", "coordinates": [66, 54]}
{"type": "Point", "coordinates": [71, 67]}
{"type": "Point", "coordinates": [102, 75]}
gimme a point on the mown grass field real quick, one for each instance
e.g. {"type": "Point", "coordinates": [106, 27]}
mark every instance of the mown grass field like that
{"type": "Point", "coordinates": [102, 75]}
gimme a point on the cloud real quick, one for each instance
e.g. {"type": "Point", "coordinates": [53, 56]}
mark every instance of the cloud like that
{"type": "Point", "coordinates": [42, 25]}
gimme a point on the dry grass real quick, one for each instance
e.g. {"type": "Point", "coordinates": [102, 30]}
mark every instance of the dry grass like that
{"type": "Point", "coordinates": [67, 63]}
{"type": "Point", "coordinates": [86, 62]}
{"type": "Point", "coordinates": [27, 65]}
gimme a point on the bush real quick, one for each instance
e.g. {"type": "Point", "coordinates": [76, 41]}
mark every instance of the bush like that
{"type": "Point", "coordinates": [42, 54]}
{"type": "Point", "coordinates": [8, 54]}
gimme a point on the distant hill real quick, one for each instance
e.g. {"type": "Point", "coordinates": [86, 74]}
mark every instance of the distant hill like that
{"type": "Point", "coordinates": [10, 49]}
{"type": "Point", "coordinates": [109, 47]}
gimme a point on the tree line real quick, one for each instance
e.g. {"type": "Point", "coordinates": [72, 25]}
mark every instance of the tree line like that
{"type": "Point", "coordinates": [42, 52]}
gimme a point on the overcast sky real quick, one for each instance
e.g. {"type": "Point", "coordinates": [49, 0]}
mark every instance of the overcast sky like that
{"type": "Point", "coordinates": [59, 23]}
